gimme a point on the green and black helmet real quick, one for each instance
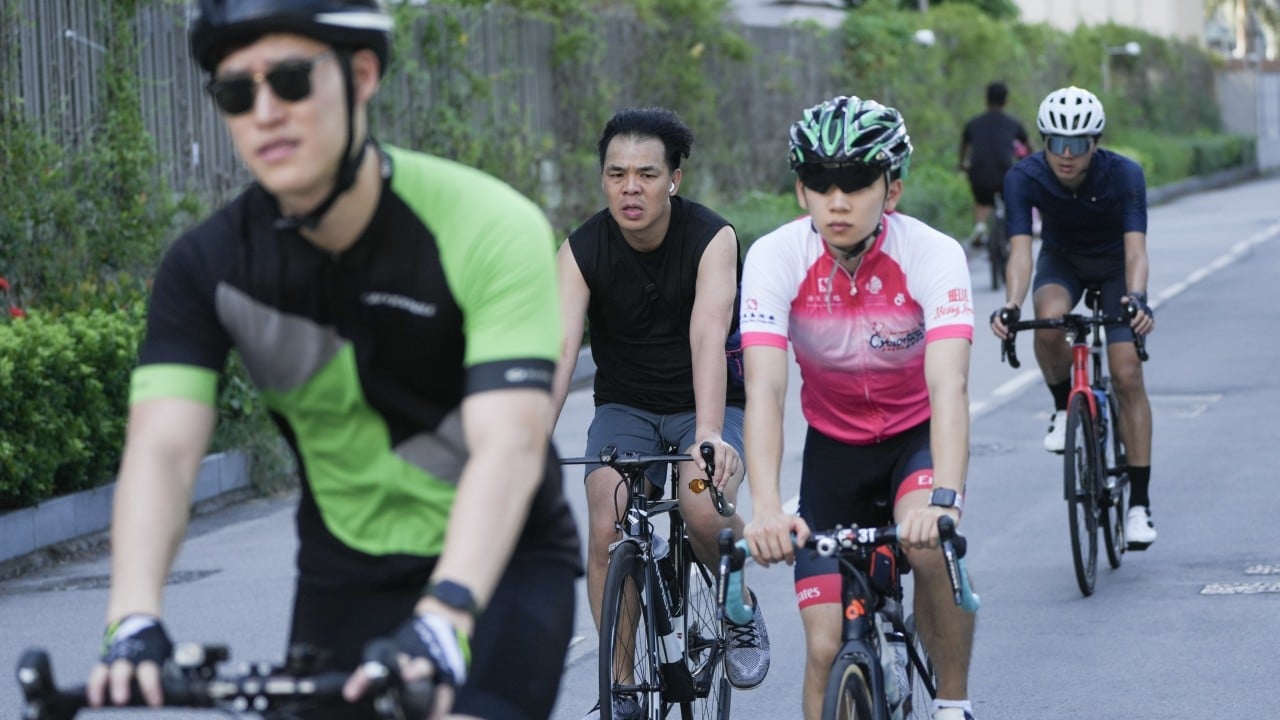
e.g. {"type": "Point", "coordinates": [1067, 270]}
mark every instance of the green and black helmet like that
{"type": "Point", "coordinates": [852, 130]}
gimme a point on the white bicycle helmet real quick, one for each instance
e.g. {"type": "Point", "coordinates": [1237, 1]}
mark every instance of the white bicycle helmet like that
{"type": "Point", "coordinates": [1071, 111]}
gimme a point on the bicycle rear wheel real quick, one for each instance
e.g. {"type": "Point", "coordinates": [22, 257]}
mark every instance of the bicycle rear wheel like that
{"type": "Point", "coordinates": [1115, 499]}
{"type": "Point", "coordinates": [997, 248]}
{"type": "Point", "coordinates": [1080, 473]}
{"type": "Point", "coordinates": [628, 655]}
{"type": "Point", "coordinates": [705, 642]}
{"type": "Point", "coordinates": [847, 695]}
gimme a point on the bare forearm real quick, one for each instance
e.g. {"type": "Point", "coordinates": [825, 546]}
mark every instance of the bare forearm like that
{"type": "Point", "coordinates": [949, 439]}
{"type": "Point", "coordinates": [507, 442]}
{"type": "Point", "coordinates": [1018, 270]}
{"type": "Point", "coordinates": [710, 375]}
{"type": "Point", "coordinates": [762, 435]}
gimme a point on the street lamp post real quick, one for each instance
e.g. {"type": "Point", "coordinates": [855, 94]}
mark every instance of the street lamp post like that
{"type": "Point", "coordinates": [1131, 48]}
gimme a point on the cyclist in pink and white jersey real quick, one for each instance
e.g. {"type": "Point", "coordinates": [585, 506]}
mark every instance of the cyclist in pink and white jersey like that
{"type": "Point", "coordinates": [877, 307]}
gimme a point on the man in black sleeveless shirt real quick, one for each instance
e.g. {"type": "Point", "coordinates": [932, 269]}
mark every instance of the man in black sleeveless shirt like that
{"type": "Point", "coordinates": [656, 276]}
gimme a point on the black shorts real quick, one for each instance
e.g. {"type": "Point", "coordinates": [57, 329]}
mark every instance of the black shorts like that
{"type": "Point", "coordinates": [517, 654]}
{"type": "Point", "coordinates": [983, 193]}
{"type": "Point", "coordinates": [1077, 272]}
{"type": "Point", "coordinates": [843, 484]}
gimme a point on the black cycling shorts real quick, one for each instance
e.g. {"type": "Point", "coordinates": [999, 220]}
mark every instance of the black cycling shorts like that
{"type": "Point", "coordinates": [518, 652]}
{"type": "Point", "coordinates": [1077, 272]}
{"type": "Point", "coordinates": [984, 194]}
{"type": "Point", "coordinates": [843, 484]}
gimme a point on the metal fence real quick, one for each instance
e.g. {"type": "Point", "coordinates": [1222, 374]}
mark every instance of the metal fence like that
{"type": "Point", "coordinates": [59, 51]}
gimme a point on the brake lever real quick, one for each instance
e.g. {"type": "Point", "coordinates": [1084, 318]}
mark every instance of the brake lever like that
{"type": "Point", "coordinates": [1008, 345]}
{"type": "Point", "coordinates": [697, 485]}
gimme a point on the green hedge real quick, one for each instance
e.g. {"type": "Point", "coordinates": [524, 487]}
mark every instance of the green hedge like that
{"type": "Point", "coordinates": [65, 383]}
{"type": "Point", "coordinates": [65, 406]}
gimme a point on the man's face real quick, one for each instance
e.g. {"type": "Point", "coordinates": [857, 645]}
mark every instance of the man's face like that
{"type": "Point", "coordinates": [1069, 157]}
{"type": "Point", "coordinates": [637, 183]}
{"type": "Point", "coordinates": [845, 218]}
{"type": "Point", "coordinates": [292, 147]}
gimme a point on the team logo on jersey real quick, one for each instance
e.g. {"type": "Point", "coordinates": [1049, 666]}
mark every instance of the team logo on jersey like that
{"type": "Point", "coordinates": [400, 302]}
{"type": "Point", "coordinates": [875, 285]}
{"type": "Point", "coordinates": [899, 299]}
{"type": "Point", "coordinates": [884, 339]}
{"type": "Point", "coordinates": [824, 285]}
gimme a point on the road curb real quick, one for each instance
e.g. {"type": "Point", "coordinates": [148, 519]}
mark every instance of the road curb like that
{"type": "Point", "coordinates": [67, 518]}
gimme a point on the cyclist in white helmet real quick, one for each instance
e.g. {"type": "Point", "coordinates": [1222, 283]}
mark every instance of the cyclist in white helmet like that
{"type": "Point", "coordinates": [1093, 204]}
{"type": "Point", "coordinates": [877, 308]}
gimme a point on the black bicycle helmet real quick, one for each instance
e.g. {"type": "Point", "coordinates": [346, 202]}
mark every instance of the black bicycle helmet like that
{"type": "Point", "coordinates": [852, 130]}
{"type": "Point", "coordinates": [223, 25]}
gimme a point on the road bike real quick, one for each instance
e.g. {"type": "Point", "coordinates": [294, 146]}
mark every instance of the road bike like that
{"type": "Point", "coordinates": [195, 678]}
{"type": "Point", "coordinates": [1094, 462]}
{"type": "Point", "coordinates": [881, 671]}
{"type": "Point", "coordinates": [662, 645]}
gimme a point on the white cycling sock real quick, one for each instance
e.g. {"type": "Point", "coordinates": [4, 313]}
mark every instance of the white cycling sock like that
{"type": "Point", "coordinates": [951, 709]}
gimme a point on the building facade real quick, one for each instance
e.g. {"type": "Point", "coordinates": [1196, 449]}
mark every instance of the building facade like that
{"type": "Point", "coordinates": [1168, 18]}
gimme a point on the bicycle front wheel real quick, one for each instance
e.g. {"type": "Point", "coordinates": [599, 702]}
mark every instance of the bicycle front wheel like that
{"type": "Point", "coordinates": [628, 658]}
{"type": "Point", "coordinates": [705, 642]}
{"type": "Point", "coordinates": [1080, 474]}
{"type": "Point", "coordinates": [847, 696]}
{"type": "Point", "coordinates": [923, 682]}
{"type": "Point", "coordinates": [1116, 498]}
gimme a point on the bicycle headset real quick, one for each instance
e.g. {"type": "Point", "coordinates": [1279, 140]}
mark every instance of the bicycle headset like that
{"type": "Point", "coordinates": [1071, 111]}
{"type": "Point", "coordinates": [222, 26]}
{"type": "Point", "coordinates": [847, 132]}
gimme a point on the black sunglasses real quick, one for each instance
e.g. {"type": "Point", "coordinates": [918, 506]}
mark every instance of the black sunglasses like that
{"type": "Point", "coordinates": [290, 80]}
{"type": "Point", "coordinates": [1059, 144]}
{"type": "Point", "coordinates": [849, 177]}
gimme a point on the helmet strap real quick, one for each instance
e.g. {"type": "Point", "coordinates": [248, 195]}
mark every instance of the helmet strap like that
{"type": "Point", "coordinates": [348, 166]}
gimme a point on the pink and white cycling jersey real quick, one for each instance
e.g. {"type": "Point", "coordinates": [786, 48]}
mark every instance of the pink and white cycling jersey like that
{"type": "Point", "coordinates": [859, 340]}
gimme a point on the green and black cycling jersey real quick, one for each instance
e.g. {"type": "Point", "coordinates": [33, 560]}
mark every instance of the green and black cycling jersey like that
{"type": "Point", "coordinates": [364, 357]}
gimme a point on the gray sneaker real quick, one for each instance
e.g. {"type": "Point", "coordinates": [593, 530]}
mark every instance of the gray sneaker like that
{"type": "Point", "coordinates": [625, 707]}
{"type": "Point", "coordinates": [747, 660]}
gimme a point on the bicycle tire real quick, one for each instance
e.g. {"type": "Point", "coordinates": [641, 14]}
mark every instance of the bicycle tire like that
{"type": "Point", "coordinates": [1080, 465]}
{"type": "Point", "coordinates": [923, 685]}
{"type": "Point", "coordinates": [997, 252]}
{"type": "Point", "coordinates": [848, 696]}
{"type": "Point", "coordinates": [628, 657]}
{"type": "Point", "coordinates": [705, 642]}
{"type": "Point", "coordinates": [1115, 499]}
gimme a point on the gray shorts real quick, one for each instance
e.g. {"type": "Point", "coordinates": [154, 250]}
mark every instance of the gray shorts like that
{"type": "Point", "coordinates": [649, 433]}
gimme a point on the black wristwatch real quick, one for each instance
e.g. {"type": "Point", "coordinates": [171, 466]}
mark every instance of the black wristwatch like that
{"type": "Point", "coordinates": [946, 498]}
{"type": "Point", "coordinates": [454, 595]}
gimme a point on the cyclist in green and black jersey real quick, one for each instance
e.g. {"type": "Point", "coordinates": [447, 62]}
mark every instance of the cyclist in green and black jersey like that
{"type": "Point", "coordinates": [399, 314]}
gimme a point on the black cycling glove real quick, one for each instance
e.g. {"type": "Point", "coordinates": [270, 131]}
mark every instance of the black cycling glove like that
{"type": "Point", "coordinates": [1139, 300]}
{"type": "Point", "coordinates": [433, 637]}
{"type": "Point", "coordinates": [137, 639]}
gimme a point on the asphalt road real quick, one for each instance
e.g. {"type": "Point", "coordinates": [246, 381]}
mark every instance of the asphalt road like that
{"type": "Point", "coordinates": [1184, 630]}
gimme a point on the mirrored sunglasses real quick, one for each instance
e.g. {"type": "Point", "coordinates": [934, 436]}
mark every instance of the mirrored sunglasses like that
{"type": "Point", "coordinates": [289, 80]}
{"type": "Point", "coordinates": [1060, 144]}
{"type": "Point", "coordinates": [849, 177]}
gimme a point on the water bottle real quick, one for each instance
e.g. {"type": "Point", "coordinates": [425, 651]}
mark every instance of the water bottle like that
{"type": "Point", "coordinates": [893, 661]}
{"type": "Point", "coordinates": [1104, 432]}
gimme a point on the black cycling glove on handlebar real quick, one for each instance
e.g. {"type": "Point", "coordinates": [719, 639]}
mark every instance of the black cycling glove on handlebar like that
{"type": "Point", "coordinates": [433, 637]}
{"type": "Point", "coordinates": [1139, 300]}
{"type": "Point", "coordinates": [137, 639]}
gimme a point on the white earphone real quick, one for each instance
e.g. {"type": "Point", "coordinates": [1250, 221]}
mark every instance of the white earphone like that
{"type": "Point", "coordinates": [672, 188]}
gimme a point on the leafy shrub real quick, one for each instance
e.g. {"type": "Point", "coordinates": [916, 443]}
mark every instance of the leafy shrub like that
{"type": "Point", "coordinates": [62, 413]}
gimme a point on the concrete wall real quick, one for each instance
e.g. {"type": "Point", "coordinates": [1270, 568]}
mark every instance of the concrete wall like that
{"type": "Point", "coordinates": [1169, 18]}
{"type": "Point", "coordinates": [1250, 102]}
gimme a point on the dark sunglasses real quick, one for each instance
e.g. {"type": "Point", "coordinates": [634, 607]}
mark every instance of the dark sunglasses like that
{"type": "Point", "coordinates": [1059, 144]}
{"type": "Point", "coordinates": [849, 177]}
{"type": "Point", "coordinates": [290, 80]}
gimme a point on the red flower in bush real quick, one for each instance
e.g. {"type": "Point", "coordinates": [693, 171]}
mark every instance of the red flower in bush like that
{"type": "Point", "coordinates": [16, 312]}
{"type": "Point", "coordinates": [4, 284]}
